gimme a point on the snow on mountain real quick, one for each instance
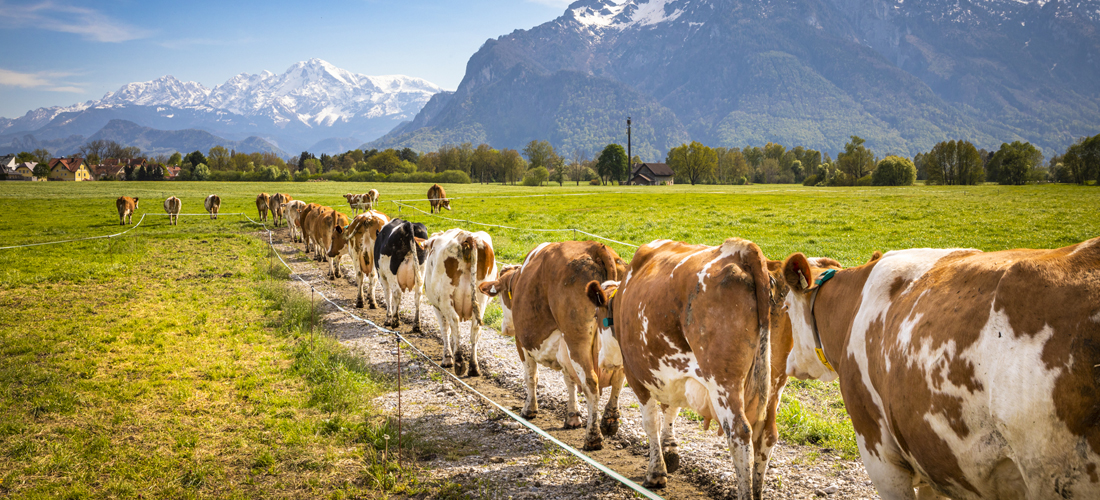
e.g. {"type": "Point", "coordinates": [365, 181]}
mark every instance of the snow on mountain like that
{"type": "Point", "coordinates": [621, 14]}
{"type": "Point", "coordinates": [164, 91]}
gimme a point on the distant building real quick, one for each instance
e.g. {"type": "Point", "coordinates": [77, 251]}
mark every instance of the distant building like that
{"type": "Point", "coordinates": [116, 172]}
{"type": "Point", "coordinates": [171, 173]}
{"type": "Point", "coordinates": [651, 174]}
{"type": "Point", "coordinates": [22, 172]}
{"type": "Point", "coordinates": [7, 163]}
{"type": "Point", "coordinates": [70, 169]}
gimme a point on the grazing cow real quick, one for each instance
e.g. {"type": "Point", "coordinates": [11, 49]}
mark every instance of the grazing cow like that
{"type": "Point", "coordinates": [458, 261]}
{"type": "Point", "coordinates": [399, 254]}
{"type": "Point", "coordinates": [438, 198]}
{"type": "Point", "coordinates": [126, 208]}
{"type": "Point", "coordinates": [700, 326]}
{"type": "Point", "coordinates": [304, 221]}
{"type": "Point", "coordinates": [262, 205]}
{"type": "Point", "coordinates": [359, 236]}
{"type": "Point", "coordinates": [293, 219]}
{"type": "Point", "coordinates": [173, 205]}
{"type": "Point", "coordinates": [966, 374]}
{"type": "Point", "coordinates": [547, 309]}
{"type": "Point", "coordinates": [277, 204]}
{"type": "Point", "coordinates": [213, 203]}
{"type": "Point", "coordinates": [364, 202]}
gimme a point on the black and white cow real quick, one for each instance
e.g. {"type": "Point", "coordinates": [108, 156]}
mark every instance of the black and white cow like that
{"type": "Point", "coordinates": [399, 268]}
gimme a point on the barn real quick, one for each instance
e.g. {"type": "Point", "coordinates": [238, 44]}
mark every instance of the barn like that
{"type": "Point", "coordinates": [651, 174]}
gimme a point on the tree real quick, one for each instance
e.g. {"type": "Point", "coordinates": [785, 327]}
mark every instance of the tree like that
{"type": "Point", "coordinates": [753, 155]}
{"type": "Point", "coordinates": [407, 154]}
{"type": "Point", "coordinates": [196, 158]}
{"type": "Point", "coordinates": [535, 176]}
{"type": "Point", "coordinates": [42, 156]}
{"type": "Point", "coordinates": [857, 161]}
{"type": "Point", "coordinates": [25, 157]}
{"type": "Point", "coordinates": [694, 162]}
{"type": "Point", "coordinates": [732, 166]}
{"type": "Point", "coordinates": [894, 171]}
{"type": "Point", "coordinates": [93, 151]}
{"type": "Point", "coordinates": [577, 167]}
{"type": "Point", "coordinates": [512, 166]}
{"type": "Point", "coordinates": [612, 163]}
{"type": "Point", "coordinates": [540, 154]}
{"type": "Point", "coordinates": [1014, 162]}
{"type": "Point", "coordinates": [484, 163]}
{"type": "Point", "coordinates": [312, 165]}
{"type": "Point", "coordinates": [953, 163]}
{"type": "Point", "coordinates": [1082, 159]}
{"type": "Point", "coordinates": [218, 158]}
{"type": "Point", "coordinates": [42, 170]}
{"type": "Point", "coordinates": [201, 172]}
{"type": "Point", "coordinates": [386, 162]}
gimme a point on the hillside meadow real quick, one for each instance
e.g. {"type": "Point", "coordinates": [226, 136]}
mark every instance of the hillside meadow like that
{"type": "Point", "coordinates": [172, 361]}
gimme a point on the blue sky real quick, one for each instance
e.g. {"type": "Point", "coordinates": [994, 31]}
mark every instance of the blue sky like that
{"type": "Point", "coordinates": [60, 52]}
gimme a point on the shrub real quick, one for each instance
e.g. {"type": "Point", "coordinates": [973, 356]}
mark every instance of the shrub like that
{"type": "Point", "coordinates": [811, 181]}
{"type": "Point", "coordinates": [594, 182]}
{"type": "Point", "coordinates": [536, 176]}
{"type": "Point", "coordinates": [200, 173]}
{"type": "Point", "coordinates": [453, 177]}
{"type": "Point", "coordinates": [301, 176]}
{"type": "Point", "coordinates": [894, 171]}
{"type": "Point", "coordinates": [864, 181]}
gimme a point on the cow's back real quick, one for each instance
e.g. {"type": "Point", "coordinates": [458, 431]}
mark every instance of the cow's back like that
{"type": "Point", "coordinates": [964, 347]}
{"type": "Point", "coordinates": [553, 279]}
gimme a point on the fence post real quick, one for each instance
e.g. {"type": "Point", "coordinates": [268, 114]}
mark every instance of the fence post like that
{"type": "Point", "coordinates": [311, 320]}
{"type": "Point", "coordinates": [397, 340]}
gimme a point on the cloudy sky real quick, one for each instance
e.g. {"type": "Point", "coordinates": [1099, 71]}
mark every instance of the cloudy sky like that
{"type": "Point", "coordinates": [60, 52]}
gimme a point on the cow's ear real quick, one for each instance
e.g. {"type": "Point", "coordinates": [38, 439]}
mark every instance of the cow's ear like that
{"type": "Point", "coordinates": [135, 199]}
{"type": "Point", "coordinates": [339, 229]}
{"type": "Point", "coordinates": [875, 256]}
{"type": "Point", "coordinates": [490, 288]}
{"type": "Point", "coordinates": [796, 272]}
{"type": "Point", "coordinates": [595, 293]}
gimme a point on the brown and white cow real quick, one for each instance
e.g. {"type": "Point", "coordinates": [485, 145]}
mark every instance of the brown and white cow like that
{"type": "Point", "coordinates": [294, 220]}
{"type": "Point", "coordinates": [437, 197]}
{"type": "Point", "coordinates": [304, 222]}
{"type": "Point", "coordinates": [276, 205]}
{"type": "Point", "coordinates": [359, 237]}
{"type": "Point", "coordinates": [547, 310]}
{"type": "Point", "coordinates": [458, 261]}
{"type": "Point", "coordinates": [362, 202]}
{"type": "Point", "coordinates": [670, 357]}
{"type": "Point", "coordinates": [262, 201]}
{"type": "Point", "coordinates": [212, 204]}
{"type": "Point", "coordinates": [697, 328]}
{"type": "Point", "coordinates": [173, 205]}
{"type": "Point", "coordinates": [126, 207]}
{"type": "Point", "coordinates": [967, 375]}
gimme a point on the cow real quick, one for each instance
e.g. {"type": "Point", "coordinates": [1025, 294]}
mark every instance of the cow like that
{"type": "Point", "coordinates": [399, 255]}
{"type": "Point", "coordinates": [966, 374]}
{"type": "Point", "coordinates": [293, 219]}
{"type": "Point", "coordinates": [700, 326]}
{"type": "Point", "coordinates": [303, 222]}
{"type": "Point", "coordinates": [458, 261]}
{"type": "Point", "coordinates": [329, 228]}
{"type": "Point", "coordinates": [364, 202]}
{"type": "Point", "coordinates": [438, 198]}
{"type": "Point", "coordinates": [173, 205]}
{"type": "Point", "coordinates": [359, 237]}
{"type": "Point", "coordinates": [213, 203]}
{"type": "Point", "coordinates": [262, 205]}
{"type": "Point", "coordinates": [547, 310]}
{"type": "Point", "coordinates": [276, 205]}
{"type": "Point", "coordinates": [126, 207]}
{"type": "Point", "coordinates": [315, 231]}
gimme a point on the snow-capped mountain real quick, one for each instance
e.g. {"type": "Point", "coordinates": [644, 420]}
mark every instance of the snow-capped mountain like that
{"type": "Point", "coordinates": [902, 74]}
{"type": "Point", "coordinates": [311, 101]}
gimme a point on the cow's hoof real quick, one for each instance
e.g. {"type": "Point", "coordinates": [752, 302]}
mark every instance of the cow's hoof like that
{"type": "Point", "coordinates": [359, 304]}
{"type": "Point", "coordinates": [446, 364]}
{"type": "Point", "coordinates": [460, 363]}
{"type": "Point", "coordinates": [415, 329]}
{"type": "Point", "coordinates": [474, 371]}
{"type": "Point", "coordinates": [593, 444]}
{"type": "Point", "coordinates": [609, 425]}
{"type": "Point", "coordinates": [573, 421]}
{"type": "Point", "coordinates": [373, 305]}
{"type": "Point", "coordinates": [529, 414]}
{"type": "Point", "coordinates": [655, 481]}
{"type": "Point", "coordinates": [672, 461]}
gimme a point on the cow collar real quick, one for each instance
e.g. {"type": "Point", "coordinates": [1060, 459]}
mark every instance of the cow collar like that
{"type": "Point", "coordinates": [609, 320]}
{"type": "Point", "coordinates": [821, 279]}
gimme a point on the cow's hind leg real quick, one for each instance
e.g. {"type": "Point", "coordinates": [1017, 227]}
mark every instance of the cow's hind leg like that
{"type": "Point", "coordinates": [656, 475]}
{"type": "Point", "coordinates": [670, 446]}
{"type": "Point", "coordinates": [739, 437]}
{"type": "Point", "coordinates": [475, 335]}
{"type": "Point", "coordinates": [572, 416]}
{"type": "Point", "coordinates": [445, 338]}
{"type": "Point", "coordinates": [531, 379]}
{"type": "Point", "coordinates": [416, 310]}
{"type": "Point", "coordinates": [609, 425]}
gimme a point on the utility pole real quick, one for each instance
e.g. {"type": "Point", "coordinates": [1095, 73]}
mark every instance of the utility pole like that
{"type": "Point", "coordinates": [629, 157]}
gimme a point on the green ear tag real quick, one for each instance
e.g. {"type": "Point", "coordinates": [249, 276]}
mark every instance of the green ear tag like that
{"type": "Point", "coordinates": [825, 276]}
{"type": "Point", "coordinates": [608, 322]}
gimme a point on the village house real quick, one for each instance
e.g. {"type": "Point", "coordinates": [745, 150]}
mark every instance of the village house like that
{"type": "Point", "coordinates": [651, 174]}
{"type": "Point", "coordinates": [23, 172]}
{"type": "Point", "coordinates": [115, 172]}
{"type": "Point", "coordinates": [7, 163]}
{"type": "Point", "coordinates": [70, 169]}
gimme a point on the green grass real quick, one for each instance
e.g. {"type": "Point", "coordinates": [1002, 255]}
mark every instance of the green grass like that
{"type": "Point", "coordinates": [167, 363]}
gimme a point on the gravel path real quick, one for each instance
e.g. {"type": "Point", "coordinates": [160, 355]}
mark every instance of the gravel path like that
{"type": "Point", "coordinates": [487, 455]}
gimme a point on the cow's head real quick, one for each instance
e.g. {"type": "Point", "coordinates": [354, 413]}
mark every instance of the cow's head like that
{"type": "Point", "coordinates": [348, 197]}
{"type": "Point", "coordinates": [602, 295]}
{"type": "Point", "coordinates": [799, 274]}
{"type": "Point", "coordinates": [503, 287]}
{"type": "Point", "coordinates": [446, 204]}
{"type": "Point", "coordinates": [136, 202]}
{"type": "Point", "coordinates": [340, 235]}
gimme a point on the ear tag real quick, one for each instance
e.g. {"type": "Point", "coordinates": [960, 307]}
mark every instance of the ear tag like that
{"type": "Point", "coordinates": [821, 356]}
{"type": "Point", "coordinates": [509, 295]}
{"type": "Point", "coordinates": [825, 276]}
{"type": "Point", "coordinates": [493, 289]}
{"type": "Point", "coordinates": [608, 322]}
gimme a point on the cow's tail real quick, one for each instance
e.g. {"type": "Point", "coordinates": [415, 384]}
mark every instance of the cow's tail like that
{"type": "Point", "coordinates": [760, 380]}
{"type": "Point", "coordinates": [470, 246]}
{"type": "Point", "coordinates": [608, 261]}
{"type": "Point", "coordinates": [418, 275]}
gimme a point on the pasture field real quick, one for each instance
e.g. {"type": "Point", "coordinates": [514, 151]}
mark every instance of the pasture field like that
{"type": "Point", "coordinates": [170, 361]}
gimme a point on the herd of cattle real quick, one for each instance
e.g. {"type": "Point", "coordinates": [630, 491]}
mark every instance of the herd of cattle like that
{"type": "Point", "coordinates": [966, 374]}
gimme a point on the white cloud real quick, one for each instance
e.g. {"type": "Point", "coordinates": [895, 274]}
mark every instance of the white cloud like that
{"type": "Point", "coordinates": [44, 80]}
{"type": "Point", "coordinates": [89, 23]}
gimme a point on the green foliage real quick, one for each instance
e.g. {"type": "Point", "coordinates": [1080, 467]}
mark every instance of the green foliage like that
{"type": "Point", "coordinates": [41, 171]}
{"type": "Point", "coordinates": [953, 163]}
{"type": "Point", "coordinates": [196, 158]}
{"type": "Point", "coordinates": [535, 176]}
{"type": "Point", "coordinates": [201, 172]}
{"type": "Point", "coordinates": [1082, 159]}
{"type": "Point", "coordinates": [612, 163]}
{"type": "Point", "coordinates": [864, 181]}
{"type": "Point", "coordinates": [1013, 163]}
{"type": "Point", "coordinates": [856, 160]}
{"type": "Point", "coordinates": [894, 171]}
{"type": "Point", "coordinates": [811, 180]}
{"type": "Point", "coordinates": [694, 162]}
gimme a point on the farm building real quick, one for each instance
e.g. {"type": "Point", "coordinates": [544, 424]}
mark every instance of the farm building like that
{"type": "Point", "coordinates": [22, 172]}
{"type": "Point", "coordinates": [116, 172]}
{"type": "Point", "coordinates": [651, 174]}
{"type": "Point", "coordinates": [70, 169]}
